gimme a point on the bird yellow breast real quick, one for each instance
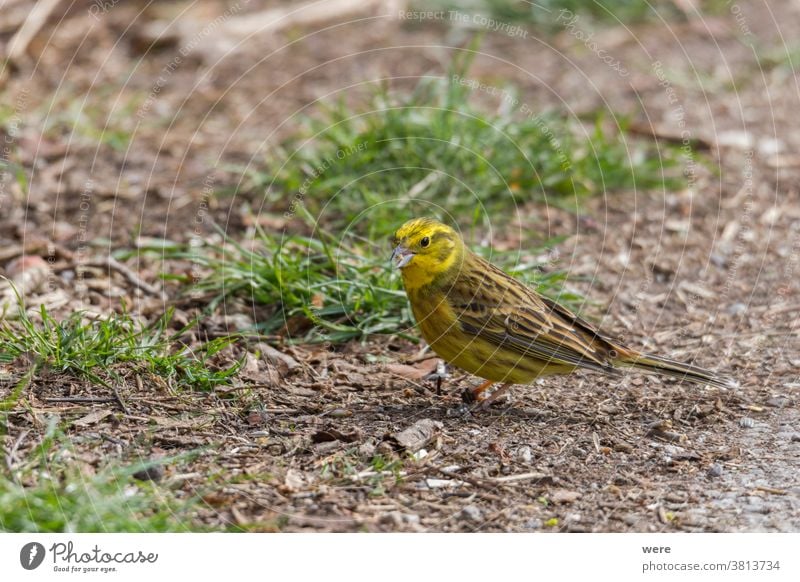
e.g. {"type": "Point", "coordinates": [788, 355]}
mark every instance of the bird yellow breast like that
{"type": "Point", "coordinates": [440, 328]}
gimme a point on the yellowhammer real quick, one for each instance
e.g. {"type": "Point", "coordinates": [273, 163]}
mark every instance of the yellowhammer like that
{"type": "Point", "coordinates": [484, 321]}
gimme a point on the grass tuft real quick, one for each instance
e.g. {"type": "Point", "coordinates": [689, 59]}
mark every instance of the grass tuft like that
{"type": "Point", "coordinates": [50, 493]}
{"type": "Point", "coordinates": [436, 152]}
{"type": "Point", "coordinates": [95, 349]}
{"type": "Point", "coordinates": [333, 289]}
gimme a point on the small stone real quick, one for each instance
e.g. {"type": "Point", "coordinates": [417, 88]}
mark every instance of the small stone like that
{"type": "Point", "coordinates": [737, 309]}
{"type": "Point", "coordinates": [777, 402]}
{"type": "Point", "coordinates": [718, 260]}
{"type": "Point", "coordinates": [524, 454]}
{"type": "Point", "coordinates": [564, 496]}
{"type": "Point", "coordinates": [742, 140]}
{"type": "Point", "coordinates": [153, 473]}
{"type": "Point", "coordinates": [411, 518]}
{"type": "Point", "coordinates": [796, 437]}
{"type": "Point", "coordinates": [747, 422]}
{"type": "Point", "coordinates": [366, 450]}
{"type": "Point", "coordinates": [769, 146]}
{"type": "Point", "coordinates": [393, 518]}
{"type": "Point", "coordinates": [472, 513]}
{"type": "Point", "coordinates": [533, 524]}
{"type": "Point", "coordinates": [457, 411]}
{"type": "Point", "coordinates": [715, 470]}
{"type": "Point", "coordinates": [630, 519]}
{"type": "Point", "coordinates": [398, 518]}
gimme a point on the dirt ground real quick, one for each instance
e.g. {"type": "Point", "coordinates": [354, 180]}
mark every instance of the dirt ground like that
{"type": "Point", "coordinates": [707, 274]}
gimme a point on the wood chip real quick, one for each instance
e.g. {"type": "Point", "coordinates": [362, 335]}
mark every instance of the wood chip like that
{"type": "Point", "coordinates": [333, 434]}
{"type": "Point", "coordinates": [562, 496]}
{"type": "Point", "coordinates": [93, 417]}
{"type": "Point", "coordinates": [416, 436]}
{"type": "Point", "coordinates": [294, 480]}
{"type": "Point", "coordinates": [277, 358]}
{"type": "Point", "coordinates": [416, 372]}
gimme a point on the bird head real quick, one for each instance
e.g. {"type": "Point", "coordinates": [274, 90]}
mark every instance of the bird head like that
{"type": "Point", "coordinates": [426, 251]}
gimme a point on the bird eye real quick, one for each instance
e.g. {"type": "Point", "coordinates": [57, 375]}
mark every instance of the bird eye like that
{"type": "Point", "coordinates": [425, 242]}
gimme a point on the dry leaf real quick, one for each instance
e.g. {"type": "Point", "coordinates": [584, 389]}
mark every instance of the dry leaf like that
{"type": "Point", "coordinates": [93, 417]}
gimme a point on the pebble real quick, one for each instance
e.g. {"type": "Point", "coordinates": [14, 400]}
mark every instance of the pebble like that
{"type": "Point", "coordinates": [769, 146]}
{"type": "Point", "coordinates": [715, 470]}
{"type": "Point", "coordinates": [718, 260]}
{"type": "Point", "coordinates": [534, 523]}
{"type": "Point", "coordinates": [737, 309]}
{"type": "Point", "coordinates": [457, 411]}
{"type": "Point", "coordinates": [796, 437]}
{"type": "Point", "coordinates": [742, 140]}
{"type": "Point", "coordinates": [747, 422]}
{"type": "Point", "coordinates": [524, 454]}
{"type": "Point", "coordinates": [777, 401]}
{"type": "Point", "coordinates": [398, 518]}
{"type": "Point", "coordinates": [153, 473]}
{"type": "Point", "coordinates": [472, 513]}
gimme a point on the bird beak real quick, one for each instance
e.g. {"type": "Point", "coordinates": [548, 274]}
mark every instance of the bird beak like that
{"type": "Point", "coordinates": [402, 256]}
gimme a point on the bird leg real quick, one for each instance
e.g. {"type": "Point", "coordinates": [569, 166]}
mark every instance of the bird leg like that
{"type": "Point", "coordinates": [439, 375]}
{"type": "Point", "coordinates": [486, 402]}
{"type": "Point", "coordinates": [471, 395]}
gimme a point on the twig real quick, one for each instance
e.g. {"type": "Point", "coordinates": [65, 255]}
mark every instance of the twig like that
{"type": "Point", "coordinates": [306, 14]}
{"type": "Point", "coordinates": [522, 477]}
{"type": "Point", "coordinates": [38, 17]}
{"type": "Point", "coordinates": [782, 309]}
{"type": "Point", "coordinates": [669, 135]}
{"type": "Point", "coordinates": [132, 278]}
{"type": "Point", "coordinates": [118, 399]}
{"type": "Point", "coordinates": [497, 480]}
{"type": "Point", "coordinates": [772, 490]}
{"type": "Point", "coordinates": [464, 478]}
{"type": "Point", "coordinates": [420, 186]}
{"type": "Point", "coordinates": [12, 453]}
{"type": "Point", "coordinates": [266, 22]}
{"type": "Point", "coordinates": [80, 399]}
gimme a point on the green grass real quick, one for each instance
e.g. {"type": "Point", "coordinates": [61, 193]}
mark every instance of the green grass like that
{"type": "Point", "coordinates": [436, 152]}
{"type": "Point", "coordinates": [97, 349]}
{"type": "Point", "coordinates": [333, 289]}
{"type": "Point", "coordinates": [50, 493]}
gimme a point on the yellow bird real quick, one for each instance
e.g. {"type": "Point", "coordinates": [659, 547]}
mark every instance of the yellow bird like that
{"type": "Point", "coordinates": [482, 320]}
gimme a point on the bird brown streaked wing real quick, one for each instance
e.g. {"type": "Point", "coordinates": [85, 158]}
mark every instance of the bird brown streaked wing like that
{"type": "Point", "coordinates": [506, 313]}
{"type": "Point", "coordinates": [526, 323]}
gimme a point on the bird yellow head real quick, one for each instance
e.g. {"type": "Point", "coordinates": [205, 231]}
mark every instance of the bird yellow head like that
{"type": "Point", "coordinates": [426, 252]}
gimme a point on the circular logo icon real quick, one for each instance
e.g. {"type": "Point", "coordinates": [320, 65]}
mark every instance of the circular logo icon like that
{"type": "Point", "coordinates": [31, 555]}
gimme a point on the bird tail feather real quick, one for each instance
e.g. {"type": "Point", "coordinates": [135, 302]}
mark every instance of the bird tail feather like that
{"type": "Point", "coordinates": [674, 369]}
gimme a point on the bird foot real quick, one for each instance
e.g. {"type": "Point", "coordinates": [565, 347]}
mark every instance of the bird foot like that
{"type": "Point", "coordinates": [468, 396]}
{"type": "Point", "coordinates": [480, 402]}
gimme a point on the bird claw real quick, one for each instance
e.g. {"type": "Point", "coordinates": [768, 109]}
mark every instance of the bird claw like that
{"type": "Point", "coordinates": [468, 396]}
{"type": "Point", "coordinates": [480, 402]}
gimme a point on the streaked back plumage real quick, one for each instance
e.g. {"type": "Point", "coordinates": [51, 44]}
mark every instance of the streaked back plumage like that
{"type": "Point", "coordinates": [492, 325]}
